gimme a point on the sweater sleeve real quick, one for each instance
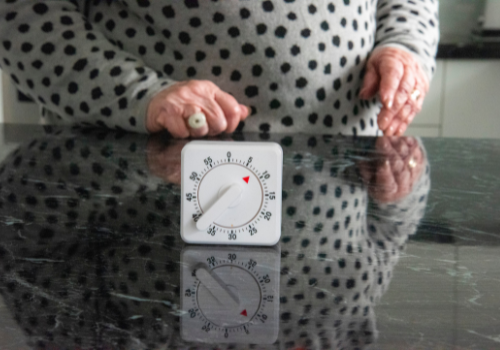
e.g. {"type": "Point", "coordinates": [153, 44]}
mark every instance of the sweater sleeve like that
{"type": "Point", "coordinates": [53, 54]}
{"type": "Point", "coordinates": [411, 25]}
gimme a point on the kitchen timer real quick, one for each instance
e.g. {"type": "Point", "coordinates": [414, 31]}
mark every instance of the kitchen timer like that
{"type": "Point", "coordinates": [231, 192]}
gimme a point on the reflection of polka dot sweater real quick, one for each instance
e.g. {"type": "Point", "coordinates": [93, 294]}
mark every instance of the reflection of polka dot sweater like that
{"type": "Point", "coordinates": [297, 63]}
{"type": "Point", "coordinates": [90, 248]}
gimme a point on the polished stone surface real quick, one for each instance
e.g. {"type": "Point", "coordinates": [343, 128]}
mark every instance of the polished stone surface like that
{"type": "Point", "coordinates": [469, 50]}
{"type": "Point", "coordinates": [91, 257]}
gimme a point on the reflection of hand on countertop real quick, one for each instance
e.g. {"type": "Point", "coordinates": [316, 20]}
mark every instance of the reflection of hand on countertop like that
{"type": "Point", "coordinates": [164, 158]}
{"type": "Point", "coordinates": [391, 176]}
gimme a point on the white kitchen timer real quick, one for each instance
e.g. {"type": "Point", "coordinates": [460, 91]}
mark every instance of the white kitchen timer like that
{"type": "Point", "coordinates": [231, 192]}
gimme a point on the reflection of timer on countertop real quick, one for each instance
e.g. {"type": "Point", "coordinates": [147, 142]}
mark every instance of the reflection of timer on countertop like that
{"type": "Point", "coordinates": [230, 294]}
{"type": "Point", "coordinates": [231, 192]}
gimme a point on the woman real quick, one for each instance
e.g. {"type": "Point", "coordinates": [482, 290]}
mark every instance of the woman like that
{"type": "Point", "coordinates": [299, 66]}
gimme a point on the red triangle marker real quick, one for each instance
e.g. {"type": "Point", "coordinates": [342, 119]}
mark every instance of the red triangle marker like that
{"type": "Point", "coordinates": [244, 313]}
{"type": "Point", "coordinates": [246, 179]}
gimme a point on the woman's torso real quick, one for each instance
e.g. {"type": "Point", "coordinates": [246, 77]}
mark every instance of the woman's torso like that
{"type": "Point", "coordinates": [298, 64]}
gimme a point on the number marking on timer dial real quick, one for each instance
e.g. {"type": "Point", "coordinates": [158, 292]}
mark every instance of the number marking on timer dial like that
{"type": "Point", "coordinates": [230, 294]}
{"type": "Point", "coordinates": [231, 192]}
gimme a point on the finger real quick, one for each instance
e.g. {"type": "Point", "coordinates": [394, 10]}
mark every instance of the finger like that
{"type": "Point", "coordinates": [417, 154]}
{"type": "Point", "coordinates": [407, 123]}
{"type": "Point", "coordinates": [195, 132]}
{"type": "Point", "coordinates": [405, 117]}
{"type": "Point", "coordinates": [370, 83]}
{"type": "Point", "coordinates": [398, 120]}
{"type": "Point", "coordinates": [397, 165]}
{"type": "Point", "coordinates": [384, 148]}
{"type": "Point", "coordinates": [365, 172]}
{"type": "Point", "coordinates": [394, 143]}
{"type": "Point", "coordinates": [402, 147]}
{"type": "Point", "coordinates": [174, 124]}
{"type": "Point", "coordinates": [420, 86]}
{"type": "Point", "coordinates": [393, 128]}
{"type": "Point", "coordinates": [405, 89]}
{"type": "Point", "coordinates": [245, 112]}
{"type": "Point", "coordinates": [411, 142]}
{"type": "Point", "coordinates": [388, 119]}
{"type": "Point", "coordinates": [418, 160]}
{"type": "Point", "coordinates": [401, 129]}
{"type": "Point", "coordinates": [174, 174]}
{"type": "Point", "coordinates": [231, 109]}
{"type": "Point", "coordinates": [215, 117]}
{"type": "Point", "coordinates": [387, 184]}
{"type": "Point", "coordinates": [391, 72]}
{"type": "Point", "coordinates": [403, 180]}
{"type": "Point", "coordinates": [384, 174]}
{"type": "Point", "coordinates": [385, 118]}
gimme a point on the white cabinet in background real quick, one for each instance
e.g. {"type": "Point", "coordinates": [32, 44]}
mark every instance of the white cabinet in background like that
{"type": "Point", "coordinates": [430, 116]}
{"type": "Point", "coordinates": [15, 111]}
{"type": "Point", "coordinates": [424, 131]}
{"type": "Point", "coordinates": [471, 105]}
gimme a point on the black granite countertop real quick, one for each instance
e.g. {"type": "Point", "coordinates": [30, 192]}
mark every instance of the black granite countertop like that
{"type": "Point", "coordinates": [386, 244]}
{"type": "Point", "coordinates": [469, 50]}
{"type": "Point", "coordinates": [477, 45]}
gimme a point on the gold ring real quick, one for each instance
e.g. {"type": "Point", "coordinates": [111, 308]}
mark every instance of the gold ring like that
{"type": "Point", "coordinates": [412, 163]}
{"type": "Point", "coordinates": [415, 95]}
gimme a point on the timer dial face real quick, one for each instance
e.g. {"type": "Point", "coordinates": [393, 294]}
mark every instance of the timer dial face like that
{"type": "Point", "coordinates": [231, 192]}
{"type": "Point", "coordinates": [230, 295]}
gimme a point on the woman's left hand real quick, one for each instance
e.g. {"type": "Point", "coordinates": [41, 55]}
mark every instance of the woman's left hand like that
{"type": "Point", "coordinates": [402, 85]}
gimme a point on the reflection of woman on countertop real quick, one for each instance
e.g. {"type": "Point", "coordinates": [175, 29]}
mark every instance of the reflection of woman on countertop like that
{"type": "Point", "coordinates": [146, 65]}
{"type": "Point", "coordinates": [89, 250]}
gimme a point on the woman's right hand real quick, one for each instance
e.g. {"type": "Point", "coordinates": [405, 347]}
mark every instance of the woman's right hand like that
{"type": "Point", "coordinates": [171, 108]}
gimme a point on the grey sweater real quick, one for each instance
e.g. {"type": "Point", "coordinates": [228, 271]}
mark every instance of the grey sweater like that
{"type": "Point", "coordinates": [297, 63]}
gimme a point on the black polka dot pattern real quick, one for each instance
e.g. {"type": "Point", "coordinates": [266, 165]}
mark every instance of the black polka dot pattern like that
{"type": "Point", "coordinates": [315, 52]}
{"type": "Point", "coordinates": [87, 198]}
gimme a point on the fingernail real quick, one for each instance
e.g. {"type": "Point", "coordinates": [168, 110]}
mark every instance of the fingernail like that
{"type": "Point", "coordinates": [383, 122]}
{"type": "Point", "coordinates": [387, 101]}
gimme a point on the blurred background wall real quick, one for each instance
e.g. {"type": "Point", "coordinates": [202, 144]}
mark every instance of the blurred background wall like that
{"type": "Point", "coordinates": [458, 18]}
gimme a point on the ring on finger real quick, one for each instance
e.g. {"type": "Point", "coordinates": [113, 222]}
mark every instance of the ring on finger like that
{"type": "Point", "coordinates": [415, 95]}
{"type": "Point", "coordinates": [412, 163]}
{"type": "Point", "coordinates": [197, 120]}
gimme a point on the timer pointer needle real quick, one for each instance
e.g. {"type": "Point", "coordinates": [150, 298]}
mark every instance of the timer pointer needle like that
{"type": "Point", "coordinates": [219, 207]}
{"type": "Point", "coordinates": [216, 288]}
